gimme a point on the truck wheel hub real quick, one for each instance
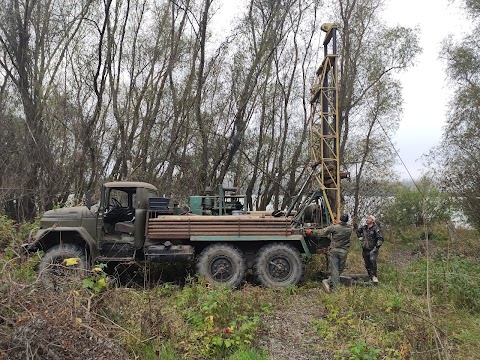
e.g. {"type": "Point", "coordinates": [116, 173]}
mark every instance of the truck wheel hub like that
{"type": "Point", "coordinates": [221, 269]}
{"type": "Point", "coordinates": [279, 268]}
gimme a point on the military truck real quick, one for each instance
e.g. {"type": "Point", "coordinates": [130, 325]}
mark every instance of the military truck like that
{"type": "Point", "coordinates": [132, 222]}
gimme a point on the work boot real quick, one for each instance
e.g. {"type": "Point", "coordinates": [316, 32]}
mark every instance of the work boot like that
{"type": "Point", "coordinates": [326, 286]}
{"type": "Point", "coordinates": [374, 279]}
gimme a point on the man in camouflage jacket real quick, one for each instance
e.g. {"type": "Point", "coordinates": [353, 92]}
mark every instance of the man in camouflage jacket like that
{"type": "Point", "coordinates": [371, 239]}
{"type": "Point", "coordinates": [338, 250]}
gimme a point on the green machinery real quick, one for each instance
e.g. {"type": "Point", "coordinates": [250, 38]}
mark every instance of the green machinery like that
{"type": "Point", "coordinates": [225, 203]}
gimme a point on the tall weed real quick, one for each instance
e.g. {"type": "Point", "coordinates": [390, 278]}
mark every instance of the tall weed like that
{"type": "Point", "coordinates": [221, 320]}
{"type": "Point", "coordinates": [374, 322]}
{"type": "Point", "coordinates": [453, 281]}
{"type": "Point", "coordinates": [14, 266]}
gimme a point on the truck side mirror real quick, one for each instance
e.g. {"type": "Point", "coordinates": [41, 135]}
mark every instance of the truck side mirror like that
{"type": "Point", "coordinates": [88, 199]}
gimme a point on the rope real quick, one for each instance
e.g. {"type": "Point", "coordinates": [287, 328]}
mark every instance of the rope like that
{"type": "Point", "coordinates": [398, 155]}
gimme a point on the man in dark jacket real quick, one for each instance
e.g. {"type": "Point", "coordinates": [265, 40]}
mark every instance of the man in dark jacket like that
{"type": "Point", "coordinates": [338, 250]}
{"type": "Point", "coordinates": [371, 239]}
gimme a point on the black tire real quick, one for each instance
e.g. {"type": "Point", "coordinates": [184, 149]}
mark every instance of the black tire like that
{"type": "Point", "coordinates": [278, 265]}
{"type": "Point", "coordinates": [53, 273]}
{"type": "Point", "coordinates": [222, 263]}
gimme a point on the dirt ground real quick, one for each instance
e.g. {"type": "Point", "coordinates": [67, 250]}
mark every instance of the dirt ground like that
{"type": "Point", "coordinates": [289, 332]}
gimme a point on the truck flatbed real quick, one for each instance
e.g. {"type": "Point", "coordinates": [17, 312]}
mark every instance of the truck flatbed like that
{"type": "Point", "coordinates": [191, 226]}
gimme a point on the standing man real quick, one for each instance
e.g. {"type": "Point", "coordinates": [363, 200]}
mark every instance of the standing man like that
{"type": "Point", "coordinates": [371, 239]}
{"type": "Point", "coordinates": [340, 233]}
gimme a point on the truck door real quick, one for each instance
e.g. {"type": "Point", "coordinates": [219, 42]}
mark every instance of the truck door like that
{"type": "Point", "coordinates": [119, 212]}
{"type": "Point", "coordinates": [115, 224]}
{"type": "Point", "coordinates": [100, 216]}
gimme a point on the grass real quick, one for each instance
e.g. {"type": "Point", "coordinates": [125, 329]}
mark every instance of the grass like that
{"type": "Point", "coordinates": [376, 321]}
{"type": "Point", "coordinates": [197, 321]}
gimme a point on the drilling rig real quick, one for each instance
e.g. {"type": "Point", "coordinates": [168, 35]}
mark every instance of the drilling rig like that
{"type": "Point", "coordinates": [324, 125]}
{"type": "Point", "coordinates": [131, 222]}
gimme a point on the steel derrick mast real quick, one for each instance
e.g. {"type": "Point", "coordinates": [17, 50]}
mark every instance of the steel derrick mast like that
{"type": "Point", "coordinates": [324, 124]}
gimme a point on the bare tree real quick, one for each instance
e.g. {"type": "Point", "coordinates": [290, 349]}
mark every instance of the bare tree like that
{"type": "Point", "coordinates": [141, 90]}
{"type": "Point", "coordinates": [35, 36]}
{"type": "Point", "coordinates": [265, 24]}
{"type": "Point", "coordinates": [368, 95]}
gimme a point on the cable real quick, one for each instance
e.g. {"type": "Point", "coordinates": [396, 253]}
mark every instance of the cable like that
{"type": "Point", "coordinates": [409, 174]}
{"type": "Point", "coordinates": [403, 163]}
{"type": "Point", "coordinates": [440, 345]}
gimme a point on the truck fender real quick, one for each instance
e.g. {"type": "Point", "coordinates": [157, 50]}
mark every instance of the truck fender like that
{"type": "Point", "coordinates": [44, 239]}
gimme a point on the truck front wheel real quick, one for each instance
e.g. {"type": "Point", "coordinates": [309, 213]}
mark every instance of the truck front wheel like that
{"type": "Point", "coordinates": [55, 270]}
{"type": "Point", "coordinates": [222, 263]}
{"type": "Point", "coordinates": [278, 265]}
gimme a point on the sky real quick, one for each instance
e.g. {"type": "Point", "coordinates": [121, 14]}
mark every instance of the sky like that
{"type": "Point", "coordinates": [426, 90]}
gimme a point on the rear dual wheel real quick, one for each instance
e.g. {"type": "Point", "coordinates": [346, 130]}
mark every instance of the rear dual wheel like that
{"type": "Point", "coordinates": [222, 263]}
{"type": "Point", "coordinates": [278, 265]}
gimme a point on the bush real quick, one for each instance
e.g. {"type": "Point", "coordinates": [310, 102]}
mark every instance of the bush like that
{"type": "Point", "coordinates": [13, 263]}
{"type": "Point", "coordinates": [454, 281]}
{"type": "Point", "coordinates": [374, 322]}
{"type": "Point", "coordinates": [7, 232]}
{"type": "Point", "coordinates": [222, 320]}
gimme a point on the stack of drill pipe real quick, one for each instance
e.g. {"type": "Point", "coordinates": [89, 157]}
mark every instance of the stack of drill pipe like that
{"type": "Point", "coordinates": [184, 226]}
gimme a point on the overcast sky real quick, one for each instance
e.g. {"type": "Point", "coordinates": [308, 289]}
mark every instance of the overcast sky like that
{"type": "Point", "coordinates": [425, 86]}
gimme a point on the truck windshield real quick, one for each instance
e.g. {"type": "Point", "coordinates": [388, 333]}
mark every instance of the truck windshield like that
{"type": "Point", "coordinates": [118, 198]}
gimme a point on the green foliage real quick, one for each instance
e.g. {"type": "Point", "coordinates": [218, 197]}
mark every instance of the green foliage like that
{"type": "Point", "coordinates": [19, 269]}
{"type": "Point", "coordinates": [27, 228]}
{"type": "Point", "coordinates": [335, 322]}
{"type": "Point", "coordinates": [455, 160]}
{"type": "Point", "coordinates": [154, 350]}
{"type": "Point", "coordinates": [222, 320]}
{"type": "Point", "coordinates": [291, 290]}
{"type": "Point", "coordinates": [149, 352]}
{"type": "Point", "coordinates": [97, 281]}
{"type": "Point", "coordinates": [7, 231]}
{"type": "Point", "coordinates": [166, 289]}
{"type": "Point", "coordinates": [409, 235]}
{"type": "Point", "coordinates": [454, 292]}
{"type": "Point", "coordinates": [167, 352]}
{"type": "Point", "coordinates": [395, 302]}
{"type": "Point", "coordinates": [169, 322]}
{"type": "Point", "coordinates": [11, 237]}
{"type": "Point", "coordinates": [249, 354]}
{"type": "Point", "coordinates": [454, 281]}
{"type": "Point", "coordinates": [413, 207]}
{"type": "Point", "coordinates": [435, 234]}
{"type": "Point", "coordinates": [359, 351]}
{"type": "Point", "coordinates": [370, 323]}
